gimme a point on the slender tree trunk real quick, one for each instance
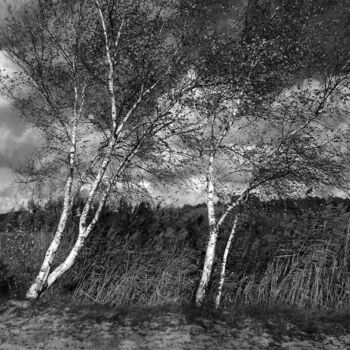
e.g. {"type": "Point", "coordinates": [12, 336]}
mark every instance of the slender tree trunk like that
{"type": "Point", "coordinates": [223, 264]}
{"type": "Point", "coordinates": [40, 283]}
{"type": "Point", "coordinates": [45, 279]}
{"type": "Point", "coordinates": [85, 230]}
{"type": "Point", "coordinates": [213, 234]}
{"type": "Point", "coordinates": [79, 243]}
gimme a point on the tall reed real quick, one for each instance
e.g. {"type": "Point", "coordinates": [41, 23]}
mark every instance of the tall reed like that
{"type": "Point", "coordinates": [149, 277]}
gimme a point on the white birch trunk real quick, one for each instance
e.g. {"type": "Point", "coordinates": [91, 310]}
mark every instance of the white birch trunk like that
{"type": "Point", "coordinates": [116, 128]}
{"type": "Point", "coordinates": [45, 279]}
{"type": "Point", "coordinates": [213, 233]}
{"type": "Point", "coordinates": [40, 283]}
{"type": "Point", "coordinates": [84, 230]}
{"type": "Point", "coordinates": [79, 243]}
{"type": "Point", "coordinates": [223, 264]}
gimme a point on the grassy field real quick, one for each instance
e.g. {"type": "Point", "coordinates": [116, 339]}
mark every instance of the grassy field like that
{"type": "Point", "coordinates": [285, 254]}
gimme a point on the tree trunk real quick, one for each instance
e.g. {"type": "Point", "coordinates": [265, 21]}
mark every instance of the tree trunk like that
{"type": "Point", "coordinates": [213, 235]}
{"type": "Point", "coordinates": [45, 279]}
{"type": "Point", "coordinates": [213, 232]}
{"type": "Point", "coordinates": [223, 264]}
{"type": "Point", "coordinates": [40, 283]}
{"type": "Point", "coordinates": [69, 261]}
{"type": "Point", "coordinates": [85, 230]}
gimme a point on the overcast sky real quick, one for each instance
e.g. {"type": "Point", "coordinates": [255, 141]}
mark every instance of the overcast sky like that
{"type": "Point", "coordinates": [15, 139]}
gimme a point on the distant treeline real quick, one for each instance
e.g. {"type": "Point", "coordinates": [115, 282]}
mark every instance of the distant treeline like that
{"type": "Point", "coordinates": [144, 221]}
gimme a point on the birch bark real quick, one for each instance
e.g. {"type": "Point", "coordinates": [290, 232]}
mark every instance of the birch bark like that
{"type": "Point", "coordinates": [85, 231]}
{"type": "Point", "coordinates": [223, 264]}
{"type": "Point", "coordinates": [213, 234]}
{"type": "Point", "coordinates": [40, 283]}
{"type": "Point", "coordinates": [45, 279]}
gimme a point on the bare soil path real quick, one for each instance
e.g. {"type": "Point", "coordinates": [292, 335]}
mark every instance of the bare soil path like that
{"type": "Point", "coordinates": [62, 326]}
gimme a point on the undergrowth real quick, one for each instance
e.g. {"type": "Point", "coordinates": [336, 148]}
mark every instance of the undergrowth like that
{"type": "Point", "coordinates": [153, 275]}
{"type": "Point", "coordinates": [284, 254]}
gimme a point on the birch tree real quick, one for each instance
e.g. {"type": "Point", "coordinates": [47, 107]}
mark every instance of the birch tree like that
{"type": "Point", "coordinates": [99, 78]}
{"type": "Point", "coordinates": [287, 151]}
{"type": "Point", "coordinates": [257, 130]}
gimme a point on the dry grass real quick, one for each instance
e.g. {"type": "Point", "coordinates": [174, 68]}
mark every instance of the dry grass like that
{"type": "Point", "coordinates": [23, 252]}
{"type": "Point", "coordinates": [149, 277]}
{"type": "Point", "coordinates": [309, 271]}
{"type": "Point", "coordinates": [317, 279]}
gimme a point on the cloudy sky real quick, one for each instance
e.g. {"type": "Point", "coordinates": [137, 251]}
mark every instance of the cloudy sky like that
{"type": "Point", "coordinates": [15, 140]}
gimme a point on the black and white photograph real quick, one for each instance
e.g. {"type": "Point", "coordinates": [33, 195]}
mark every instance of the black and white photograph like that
{"type": "Point", "coordinates": [175, 174]}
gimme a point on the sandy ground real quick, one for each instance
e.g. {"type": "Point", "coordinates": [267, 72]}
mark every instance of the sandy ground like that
{"type": "Point", "coordinates": [44, 326]}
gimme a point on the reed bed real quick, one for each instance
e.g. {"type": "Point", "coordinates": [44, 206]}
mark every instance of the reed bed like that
{"type": "Point", "coordinates": [315, 279]}
{"type": "Point", "coordinates": [149, 277]}
{"type": "Point", "coordinates": [292, 260]}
